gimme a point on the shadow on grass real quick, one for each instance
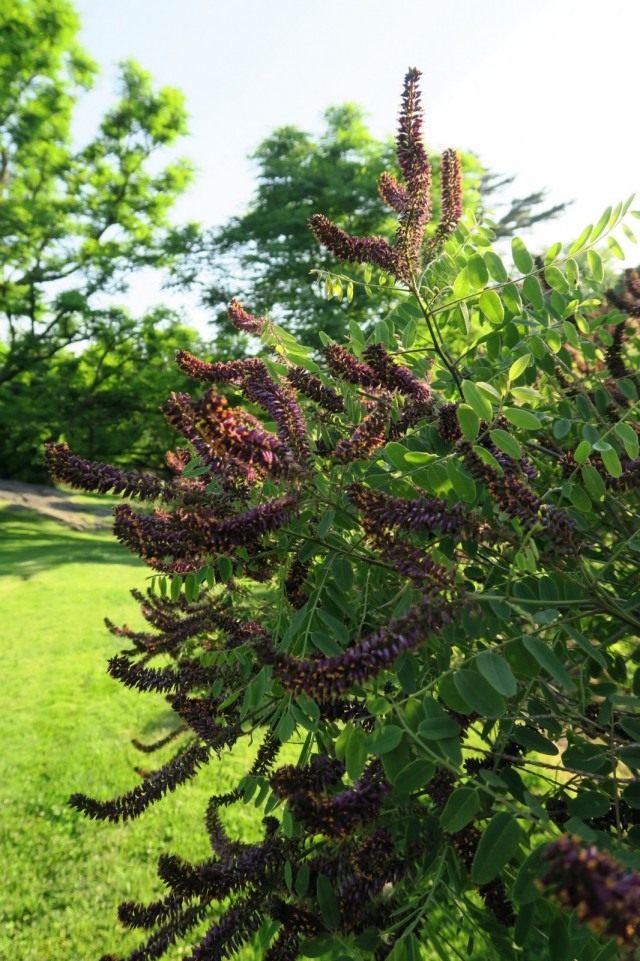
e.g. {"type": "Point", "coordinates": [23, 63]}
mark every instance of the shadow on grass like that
{"type": "Point", "coordinates": [30, 543]}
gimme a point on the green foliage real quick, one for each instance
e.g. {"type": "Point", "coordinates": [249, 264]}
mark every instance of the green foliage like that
{"type": "Point", "coordinates": [74, 223]}
{"type": "Point", "coordinates": [104, 400]}
{"type": "Point", "coordinates": [269, 251]}
{"type": "Point", "coordinates": [422, 587]}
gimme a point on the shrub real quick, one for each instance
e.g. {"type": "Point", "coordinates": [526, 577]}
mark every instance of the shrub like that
{"type": "Point", "coordinates": [416, 555]}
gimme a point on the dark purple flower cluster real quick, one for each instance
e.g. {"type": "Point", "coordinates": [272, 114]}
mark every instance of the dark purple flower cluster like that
{"type": "Point", "coordinates": [294, 584]}
{"type": "Point", "coordinates": [413, 413]}
{"type": "Point", "coordinates": [515, 499]}
{"type": "Point", "coordinates": [346, 366]}
{"type": "Point", "coordinates": [322, 678]}
{"type": "Point", "coordinates": [448, 426]}
{"type": "Point", "coordinates": [243, 320]}
{"type": "Point", "coordinates": [393, 193]}
{"type": "Point", "coordinates": [339, 815]}
{"type": "Point", "coordinates": [368, 436]}
{"type": "Point", "coordinates": [89, 475]}
{"type": "Point", "coordinates": [182, 767]}
{"type": "Point", "coordinates": [397, 376]}
{"type": "Point", "coordinates": [603, 893]}
{"type": "Point", "coordinates": [313, 388]}
{"type": "Point", "coordinates": [181, 541]}
{"type": "Point", "coordinates": [187, 674]}
{"type": "Point", "coordinates": [420, 514]}
{"type": "Point", "coordinates": [358, 250]}
{"type": "Point", "coordinates": [320, 774]}
{"type": "Point", "coordinates": [630, 476]}
{"type": "Point", "coordinates": [451, 189]}
{"type": "Point", "coordinates": [281, 403]}
{"type": "Point", "coordinates": [217, 372]}
{"type": "Point", "coordinates": [416, 170]}
{"type": "Point", "coordinates": [613, 357]}
{"type": "Point", "coordinates": [230, 441]}
{"type": "Point", "coordinates": [411, 201]}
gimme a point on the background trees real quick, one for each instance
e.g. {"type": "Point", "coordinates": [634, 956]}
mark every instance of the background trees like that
{"type": "Point", "coordinates": [267, 254]}
{"type": "Point", "coordinates": [75, 223]}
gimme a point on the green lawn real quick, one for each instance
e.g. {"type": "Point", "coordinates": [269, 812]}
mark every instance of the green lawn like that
{"type": "Point", "coordinates": [66, 726]}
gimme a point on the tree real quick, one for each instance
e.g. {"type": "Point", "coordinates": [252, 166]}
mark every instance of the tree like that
{"type": "Point", "coordinates": [267, 255]}
{"type": "Point", "coordinates": [104, 400]}
{"type": "Point", "coordinates": [74, 223]}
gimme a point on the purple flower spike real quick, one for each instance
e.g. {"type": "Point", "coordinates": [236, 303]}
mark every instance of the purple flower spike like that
{"type": "Point", "coordinates": [243, 320]}
{"type": "Point", "coordinates": [604, 894]}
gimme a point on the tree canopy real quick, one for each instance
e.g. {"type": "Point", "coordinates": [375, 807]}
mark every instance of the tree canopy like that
{"type": "Point", "coordinates": [75, 222]}
{"type": "Point", "coordinates": [267, 255]}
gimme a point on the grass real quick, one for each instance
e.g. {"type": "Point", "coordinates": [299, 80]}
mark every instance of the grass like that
{"type": "Point", "coordinates": [66, 726]}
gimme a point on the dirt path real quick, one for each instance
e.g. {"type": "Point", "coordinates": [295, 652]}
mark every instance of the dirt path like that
{"type": "Point", "coordinates": [58, 505]}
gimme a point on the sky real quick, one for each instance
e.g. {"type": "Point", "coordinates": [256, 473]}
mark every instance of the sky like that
{"type": "Point", "coordinates": [545, 89]}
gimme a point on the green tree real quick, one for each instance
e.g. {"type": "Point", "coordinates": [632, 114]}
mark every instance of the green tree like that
{"type": "Point", "coordinates": [105, 400]}
{"type": "Point", "coordinates": [74, 223]}
{"type": "Point", "coordinates": [267, 255]}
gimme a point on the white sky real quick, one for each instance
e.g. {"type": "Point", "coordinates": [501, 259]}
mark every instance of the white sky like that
{"type": "Point", "coordinates": [547, 89]}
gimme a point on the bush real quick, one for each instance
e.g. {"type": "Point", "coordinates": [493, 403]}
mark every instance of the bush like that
{"type": "Point", "coordinates": [420, 562]}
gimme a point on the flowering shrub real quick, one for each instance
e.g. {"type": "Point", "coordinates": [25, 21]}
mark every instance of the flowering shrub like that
{"type": "Point", "coordinates": [414, 556]}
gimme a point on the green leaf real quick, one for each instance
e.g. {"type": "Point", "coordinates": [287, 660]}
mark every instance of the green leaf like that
{"type": "Point", "coordinates": [519, 366]}
{"type": "Point", "coordinates": [497, 846]}
{"type": "Point", "coordinates": [461, 286]}
{"type": "Point", "coordinates": [525, 890]}
{"type": "Point", "coordinates": [480, 404]}
{"type": "Point", "coordinates": [615, 248]}
{"type": "Point", "coordinates": [460, 809]}
{"type": "Point", "coordinates": [573, 272]}
{"type": "Point", "coordinates": [395, 454]}
{"type": "Point", "coordinates": [468, 420]}
{"type": "Point", "coordinates": [582, 452]}
{"type": "Point", "coordinates": [521, 256]}
{"type": "Point", "coordinates": [506, 443]}
{"type": "Point", "coordinates": [526, 394]}
{"type": "Point", "coordinates": [556, 279]}
{"type": "Point", "coordinates": [629, 438]}
{"type": "Point", "coordinates": [561, 428]}
{"type": "Point", "coordinates": [531, 739]}
{"type": "Point", "coordinates": [414, 776]}
{"type": "Point", "coordinates": [493, 395]}
{"type": "Point", "coordinates": [477, 271]}
{"type": "Point", "coordinates": [533, 292]}
{"type": "Point", "coordinates": [327, 902]}
{"type": "Point", "coordinates": [611, 462]}
{"type": "Point", "coordinates": [520, 417]}
{"type": "Point", "coordinates": [462, 483]}
{"type": "Point", "coordinates": [336, 627]}
{"type": "Point", "coordinates": [384, 739]}
{"type": "Point", "coordinates": [301, 883]}
{"type": "Point", "coordinates": [552, 252]}
{"type": "Point", "coordinates": [548, 661]}
{"type": "Point", "coordinates": [511, 298]}
{"type": "Point", "coordinates": [593, 481]}
{"type": "Point", "coordinates": [581, 241]}
{"type": "Point", "coordinates": [356, 753]}
{"type": "Point", "coordinates": [495, 267]}
{"type": "Point", "coordinates": [495, 669]}
{"type": "Point", "coordinates": [599, 227]}
{"type": "Point", "coordinates": [579, 498]}
{"type": "Point", "coordinates": [491, 306]}
{"type": "Point", "coordinates": [438, 728]}
{"type": "Point", "coordinates": [479, 694]}
{"type": "Point", "coordinates": [594, 260]}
